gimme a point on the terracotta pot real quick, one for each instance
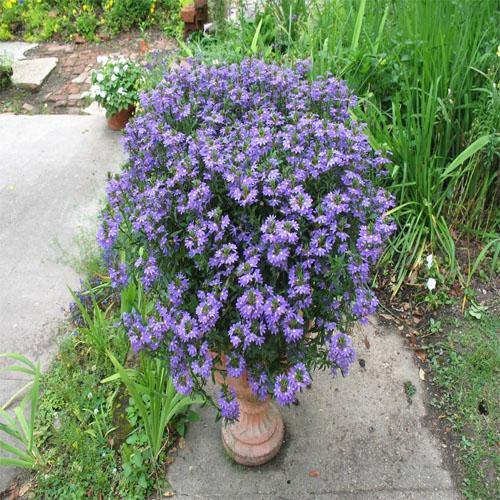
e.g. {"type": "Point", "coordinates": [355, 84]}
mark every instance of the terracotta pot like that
{"type": "Point", "coordinates": [120, 119]}
{"type": "Point", "coordinates": [188, 14]}
{"type": "Point", "coordinates": [258, 435]}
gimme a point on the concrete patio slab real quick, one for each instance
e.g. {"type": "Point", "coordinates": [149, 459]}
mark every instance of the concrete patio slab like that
{"type": "Point", "coordinates": [351, 438]}
{"type": "Point", "coordinates": [52, 175]}
{"type": "Point", "coordinates": [31, 73]}
{"type": "Point", "coordinates": [16, 50]}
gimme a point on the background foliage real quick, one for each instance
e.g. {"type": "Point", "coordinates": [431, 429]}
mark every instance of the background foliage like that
{"type": "Point", "coordinates": [46, 19]}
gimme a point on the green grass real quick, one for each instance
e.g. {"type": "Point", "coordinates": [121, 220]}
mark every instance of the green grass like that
{"type": "Point", "coordinates": [110, 433]}
{"type": "Point", "coordinates": [465, 369]}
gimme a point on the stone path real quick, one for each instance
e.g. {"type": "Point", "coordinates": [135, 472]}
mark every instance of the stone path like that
{"type": "Point", "coordinates": [60, 73]}
{"type": "Point", "coordinates": [52, 176]}
{"type": "Point", "coordinates": [351, 438]}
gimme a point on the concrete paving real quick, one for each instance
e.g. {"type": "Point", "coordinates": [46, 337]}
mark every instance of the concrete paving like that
{"type": "Point", "coordinates": [31, 73]}
{"type": "Point", "coordinates": [351, 438]}
{"type": "Point", "coordinates": [52, 174]}
{"type": "Point", "coordinates": [16, 50]}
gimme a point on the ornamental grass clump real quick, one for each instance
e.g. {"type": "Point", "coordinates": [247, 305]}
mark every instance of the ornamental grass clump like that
{"type": "Point", "coordinates": [250, 208]}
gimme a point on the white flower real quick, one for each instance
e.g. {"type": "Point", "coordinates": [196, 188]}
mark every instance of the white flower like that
{"type": "Point", "coordinates": [116, 70]}
{"type": "Point", "coordinates": [95, 90]}
{"type": "Point", "coordinates": [431, 284]}
{"type": "Point", "coordinates": [430, 260]}
{"type": "Point", "coordinates": [113, 78]}
{"type": "Point", "coordinates": [125, 67]}
{"type": "Point", "coordinates": [100, 77]}
{"type": "Point", "coordinates": [102, 93]}
{"type": "Point", "coordinates": [102, 59]}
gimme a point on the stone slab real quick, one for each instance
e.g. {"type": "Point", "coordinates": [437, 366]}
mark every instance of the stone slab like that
{"type": "Point", "coordinates": [94, 109]}
{"type": "Point", "coordinates": [16, 50]}
{"type": "Point", "coordinates": [53, 171]}
{"type": "Point", "coordinates": [31, 73]}
{"type": "Point", "coordinates": [359, 435]}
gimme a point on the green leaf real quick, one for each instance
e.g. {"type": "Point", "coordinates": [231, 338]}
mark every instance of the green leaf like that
{"type": "Point", "coordinates": [465, 155]}
{"type": "Point", "coordinates": [14, 462]}
{"type": "Point", "coordinates": [358, 25]}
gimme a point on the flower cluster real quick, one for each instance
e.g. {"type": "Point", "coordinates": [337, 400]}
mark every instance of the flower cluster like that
{"type": "Point", "coordinates": [252, 197]}
{"type": "Point", "coordinates": [115, 84]}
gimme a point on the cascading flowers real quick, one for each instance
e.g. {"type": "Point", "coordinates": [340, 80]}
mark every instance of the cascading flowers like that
{"type": "Point", "coordinates": [251, 197]}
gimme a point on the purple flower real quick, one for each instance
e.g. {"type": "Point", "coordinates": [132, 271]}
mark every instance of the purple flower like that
{"type": "Point", "coordinates": [118, 276]}
{"type": "Point", "coordinates": [228, 404]}
{"type": "Point", "coordinates": [300, 376]}
{"type": "Point", "coordinates": [235, 365]}
{"type": "Point", "coordinates": [250, 202]}
{"type": "Point", "coordinates": [284, 390]}
{"type": "Point", "coordinates": [341, 352]}
{"type": "Point", "coordinates": [259, 385]}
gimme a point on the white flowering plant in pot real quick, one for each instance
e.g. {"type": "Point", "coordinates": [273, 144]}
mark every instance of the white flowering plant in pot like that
{"type": "Point", "coordinates": [116, 83]}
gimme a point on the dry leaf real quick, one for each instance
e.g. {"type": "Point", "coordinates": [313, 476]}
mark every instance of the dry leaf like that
{"type": "Point", "coordinates": [367, 343]}
{"type": "Point", "coordinates": [385, 316]}
{"type": "Point", "coordinates": [24, 489]}
{"type": "Point", "coordinates": [182, 443]}
{"type": "Point", "coordinates": [314, 473]}
{"type": "Point", "coordinates": [421, 355]}
{"type": "Point", "coordinates": [169, 494]}
{"type": "Point", "coordinates": [421, 374]}
{"type": "Point", "coordinates": [412, 339]}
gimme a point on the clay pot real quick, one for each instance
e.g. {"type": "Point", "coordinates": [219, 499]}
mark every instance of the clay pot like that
{"type": "Point", "coordinates": [258, 435]}
{"type": "Point", "coordinates": [188, 14]}
{"type": "Point", "coordinates": [120, 119]}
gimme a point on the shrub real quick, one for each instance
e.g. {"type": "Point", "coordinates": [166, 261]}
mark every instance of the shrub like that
{"type": "Point", "coordinates": [250, 209]}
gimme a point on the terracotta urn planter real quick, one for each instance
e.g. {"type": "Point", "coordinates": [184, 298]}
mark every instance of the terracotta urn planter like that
{"type": "Point", "coordinates": [258, 435]}
{"type": "Point", "coordinates": [120, 119]}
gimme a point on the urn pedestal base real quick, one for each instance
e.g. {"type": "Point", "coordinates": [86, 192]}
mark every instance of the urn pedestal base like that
{"type": "Point", "coordinates": [255, 440]}
{"type": "Point", "coordinates": [258, 435]}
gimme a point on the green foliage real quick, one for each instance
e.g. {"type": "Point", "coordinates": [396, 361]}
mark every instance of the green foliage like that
{"type": "Point", "coordinates": [122, 15]}
{"type": "Point", "coordinates": [465, 368]}
{"type": "Point", "coordinates": [109, 441]}
{"type": "Point", "coordinates": [154, 395]}
{"type": "Point", "coordinates": [43, 19]}
{"type": "Point", "coordinates": [17, 427]}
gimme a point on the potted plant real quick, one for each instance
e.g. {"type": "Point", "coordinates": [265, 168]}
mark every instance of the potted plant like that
{"type": "Point", "coordinates": [252, 199]}
{"type": "Point", "coordinates": [115, 87]}
{"type": "Point", "coordinates": [5, 71]}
